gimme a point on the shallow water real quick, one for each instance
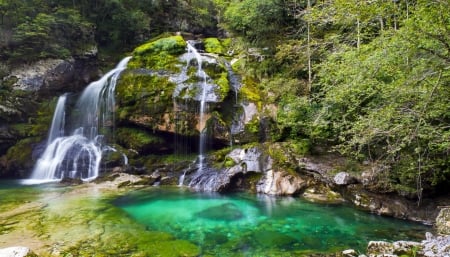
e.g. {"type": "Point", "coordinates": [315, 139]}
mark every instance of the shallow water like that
{"type": "Point", "coordinates": [252, 225]}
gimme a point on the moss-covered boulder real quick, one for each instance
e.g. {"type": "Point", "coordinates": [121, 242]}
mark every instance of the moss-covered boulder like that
{"type": "Point", "coordinates": [163, 86]}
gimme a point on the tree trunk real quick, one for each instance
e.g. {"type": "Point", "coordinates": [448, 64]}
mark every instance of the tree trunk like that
{"type": "Point", "coordinates": [309, 48]}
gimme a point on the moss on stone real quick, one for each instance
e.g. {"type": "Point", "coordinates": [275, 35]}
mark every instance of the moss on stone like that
{"type": "Point", "coordinates": [159, 54]}
{"type": "Point", "coordinates": [252, 126]}
{"type": "Point", "coordinates": [144, 98]}
{"type": "Point", "coordinates": [249, 91]}
{"type": "Point", "coordinates": [21, 152]}
{"type": "Point", "coordinates": [174, 45]}
{"type": "Point", "coordinates": [136, 139]}
{"type": "Point", "coordinates": [213, 45]}
{"type": "Point", "coordinates": [224, 85]}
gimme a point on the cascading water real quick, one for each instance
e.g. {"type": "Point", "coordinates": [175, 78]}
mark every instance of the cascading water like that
{"type": "Point", "coordinates": [78, 155]}
{"type": "Point", "coordinates": [58, 121]}
{"type": "Point", "coordinates": [202, 120]}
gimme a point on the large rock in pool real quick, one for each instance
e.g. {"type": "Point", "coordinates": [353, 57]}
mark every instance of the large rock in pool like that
{"type": "Point", "coordinates": [225, 212]}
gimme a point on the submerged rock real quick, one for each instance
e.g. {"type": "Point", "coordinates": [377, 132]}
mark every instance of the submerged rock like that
{"type": "Point", "coordinates": [17, 251]}
{"type": "Point", "coordinates": [225, 212]}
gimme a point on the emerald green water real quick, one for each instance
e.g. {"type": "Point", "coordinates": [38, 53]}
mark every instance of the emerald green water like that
{"type": "Point", "coordinates": [250, 225]}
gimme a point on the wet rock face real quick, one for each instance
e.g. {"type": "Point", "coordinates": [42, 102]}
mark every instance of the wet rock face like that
{"type": "Point", "coordinates": [55, 76]}
{"type": "Point", "coordinates": [7, 139]}
{"type": "Point", "coordinates": [280, 183]}
{"type": "Point", "coordinates": [343, 178]}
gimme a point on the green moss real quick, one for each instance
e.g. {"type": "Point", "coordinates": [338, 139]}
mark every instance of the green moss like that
{"type": "Point", "coordinates": [252, 126]}
{"type": "Point", "coordinates": [224, 85]}
{"type": "Point", "coordinates": [159, 54]}
{"type": "Point", "coordinates": [173, 45]}
{"type": "Point", "coordinates": [136, 139]}
{"type": "Point", "coordinates": [40, 124]}
{"type": "Point", "coordinates": [144, 98]}
{"type": "Point", "coordinates": [213, 45]}
{"type": "Point", "coordinates": [134, 86]}
{"type": "Point", "coordinates": [22, 150]}
{"type": "Point", "coordinates": [228, 163]}
{"type": "Point", "coordinates": [249, 91]}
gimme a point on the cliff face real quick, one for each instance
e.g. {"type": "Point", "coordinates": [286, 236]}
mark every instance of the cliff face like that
{"type": "Point", "coordinates": [27, 96]}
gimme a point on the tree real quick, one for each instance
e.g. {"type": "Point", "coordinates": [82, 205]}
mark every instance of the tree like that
{"type": "Point", "coordinates": [387, 102]}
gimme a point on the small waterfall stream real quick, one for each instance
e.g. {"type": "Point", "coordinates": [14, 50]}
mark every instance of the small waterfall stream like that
{"type": "Point", "coordinates": [202, 112]}
{"type": "Point", "coordinates": [79, 154]}
{"type": "Point", "coordinates": [58, 121]}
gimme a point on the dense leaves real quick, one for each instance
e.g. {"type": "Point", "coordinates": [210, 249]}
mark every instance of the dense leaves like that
{"type": "Point", "coordinates": [369, 79]}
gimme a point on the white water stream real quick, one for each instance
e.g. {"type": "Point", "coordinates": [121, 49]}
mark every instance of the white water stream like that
{"type": "Point", "coordinates": [79, 154]}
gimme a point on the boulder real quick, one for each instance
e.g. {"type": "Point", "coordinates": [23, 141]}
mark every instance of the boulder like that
{"type": "Point", "coordinates": [349, 253]}
{"type": "Point", "coordinates": [443, 221]}
{"type": "Point", "coordinates": [436, 246]}
{"type": "Point", "coordinates": [55, 76]}
{"type": "Point", "coordinates": [376, 248]}
{"type": "Point", "coordinates": [280, 183]}
{"type": "Point", "coordinates": [17, 251]}
{"type": "Point", "coordinates": [343, 178]}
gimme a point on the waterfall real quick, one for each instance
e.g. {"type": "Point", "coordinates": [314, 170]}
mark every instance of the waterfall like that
{"type": "Point", "coordinates": [58, 121]}
{"type": "Point", "coordinates": [79, 154]}
{"type": "Point", "coordinates": [202, 119]}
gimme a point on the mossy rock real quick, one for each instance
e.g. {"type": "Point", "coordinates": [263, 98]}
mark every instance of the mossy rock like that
{"type": "Point", "coordinates": [19, 156]}
{"type": "Point", "coordinates": [137, 139]}
{"type": "Point", "coordinates": [144, 99]}
{"type": "Point", "coordinates": [213, 45]}
{"type": "Point", "coordinates": [134, 86]}
{"type": "Point", "coordinates": [249, 91]}
{"type": "Point", "coordinates": [224, 85]}
{"type": "Point", "coordinates": [173, 44]}
{"type": "Point", "coordinates": [158, 54]}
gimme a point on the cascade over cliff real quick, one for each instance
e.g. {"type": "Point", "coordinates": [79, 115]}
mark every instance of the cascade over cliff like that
{"type": "Point", "coordinates": [158, 126]}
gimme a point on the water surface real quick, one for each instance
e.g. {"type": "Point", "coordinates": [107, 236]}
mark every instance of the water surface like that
{"type": "Point", "coordinates": [260, 225]}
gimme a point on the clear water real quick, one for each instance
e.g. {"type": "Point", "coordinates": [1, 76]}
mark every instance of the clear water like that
{"type": "Point", "coordinates": [250, 225]}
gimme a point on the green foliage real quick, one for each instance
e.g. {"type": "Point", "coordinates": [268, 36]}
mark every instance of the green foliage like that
{"type": "Point", "coordinates": [258, 21]}
{"type": "Point", "coordinates": [387, 101]}
{"type": "Point", "coordinates": [55, 35]}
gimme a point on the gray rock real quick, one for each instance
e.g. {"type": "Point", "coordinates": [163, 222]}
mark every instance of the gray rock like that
{"type": "Point", "coordinates": [280, 183]}
{"type": "Point", "coordinates": [438, 246]}
{"type": "Point", "coordinates": [349, 253]}
{"type": "Point", "coordinates": [343, 178]}
{"type": "Point", "coordinates": [443, 221]}
{"type": "Point", "coordinates": [53, 76]}
{"type": "Point", "coordinates": [17, 251]}
{"type": "Point", "coordinates": [375, 248]}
